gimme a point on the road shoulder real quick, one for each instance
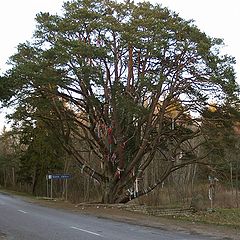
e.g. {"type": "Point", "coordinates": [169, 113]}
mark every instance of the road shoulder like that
{"type": "Point", "coordinates": [116, 213]}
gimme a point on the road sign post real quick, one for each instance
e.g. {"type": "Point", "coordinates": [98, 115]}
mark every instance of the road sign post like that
{"type": "Point", "coordinates": [51, 188]}
{"type": "Point", "coordinates": [52, 177]}
{"type": "Point", "coordinates": [66, 185]}
{"type": "Point", "coordinates": [47, 186]}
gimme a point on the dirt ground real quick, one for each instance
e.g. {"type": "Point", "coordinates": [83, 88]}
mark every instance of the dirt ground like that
{"type": "Point", "coordinates": [117, 213]}
{"type": "Point", "coordinates": [2, 236]}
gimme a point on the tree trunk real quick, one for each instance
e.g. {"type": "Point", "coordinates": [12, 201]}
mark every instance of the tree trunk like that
{"type": "Point", "coordinates": [231, 178]}
{"type": "Point", "coordinates": [13, 177]}
{"type": "Point", "coordinates": [107, 193]}
{"type": "Point", "coordinates": [5, 178]}
{"type": "Point", "coordinates": [34, 181]}
{"type": "Point", "coordinates": [237, 198]}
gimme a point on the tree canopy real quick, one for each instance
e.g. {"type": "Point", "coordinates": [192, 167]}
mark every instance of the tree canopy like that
{"type": "Point", "coordinates": [127, 82]}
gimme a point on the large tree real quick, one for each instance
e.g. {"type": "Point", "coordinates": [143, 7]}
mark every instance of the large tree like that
{"type": "Point", "coordinates": [126, 82]}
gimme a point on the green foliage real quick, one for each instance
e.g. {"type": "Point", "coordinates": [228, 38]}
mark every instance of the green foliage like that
{"type": "Point", "coordinates": [42, 155]}
{"type": "Point", "coordinates": [221, 130]}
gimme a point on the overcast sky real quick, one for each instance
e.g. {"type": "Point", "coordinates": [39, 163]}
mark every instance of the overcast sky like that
{"type": "Point", "coordinates": [218, 18]}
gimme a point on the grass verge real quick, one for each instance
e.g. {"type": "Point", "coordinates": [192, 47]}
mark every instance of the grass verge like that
{"type": "Point", "coordinates": [219, 216]}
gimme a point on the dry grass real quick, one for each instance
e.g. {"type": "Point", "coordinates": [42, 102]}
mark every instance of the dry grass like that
{"type": "Point", "coordinates": [219, 216]}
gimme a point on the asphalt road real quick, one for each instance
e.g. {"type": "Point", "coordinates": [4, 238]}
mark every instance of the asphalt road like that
{"type": "Point", "coordinates": [20, 220]}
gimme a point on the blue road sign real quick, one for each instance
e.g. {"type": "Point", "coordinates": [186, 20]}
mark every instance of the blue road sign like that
{"type": "Point", "coordinates": [59, 176]}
